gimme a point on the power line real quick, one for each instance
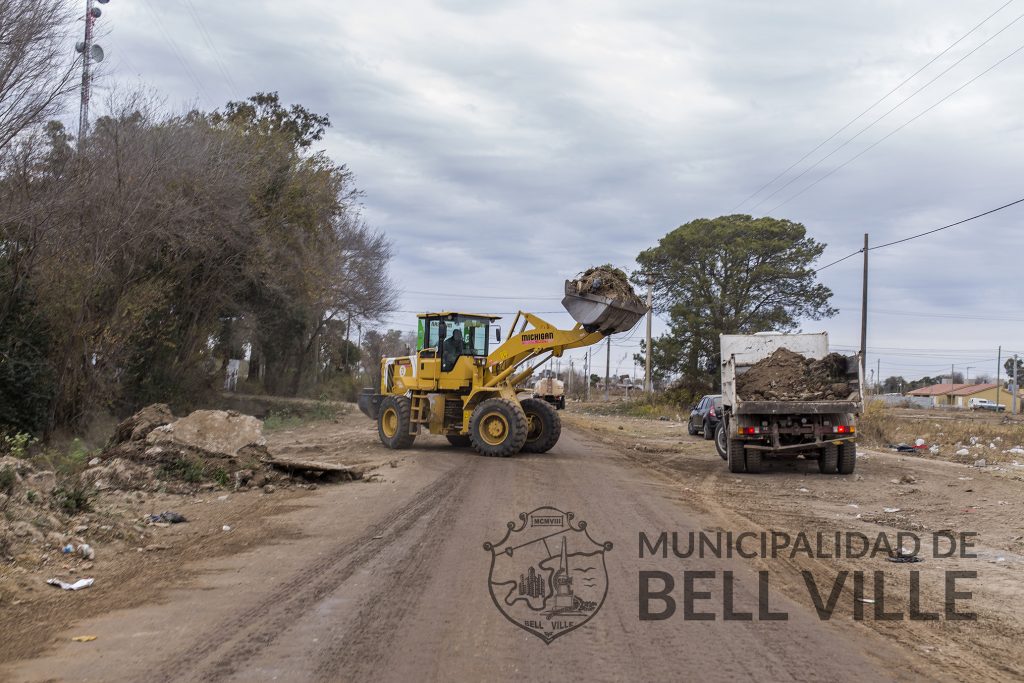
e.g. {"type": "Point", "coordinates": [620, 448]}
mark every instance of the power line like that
{"type": "Point", "coordinates": [893, 132]}
{"type": "Point", "coordinates": [213, 48]}
{"type": "Point", "coordinates": [859, 251]}
{"type": "Point", "coordinates": [951, 225]}
{"type": "Point", "coordinates": [481, 296]}
{"type": "Point", "coordinates": [928, 232]}
{"type": "Point", "coordinates": [891, 110]}
{"type": "Point", "coordinates": [875, 104]}
{"type": "Point", "coordinates": [177, 52]}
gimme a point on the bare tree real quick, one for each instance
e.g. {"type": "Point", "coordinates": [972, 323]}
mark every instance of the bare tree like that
{"type": "Point", "coordinates": [37, 63]}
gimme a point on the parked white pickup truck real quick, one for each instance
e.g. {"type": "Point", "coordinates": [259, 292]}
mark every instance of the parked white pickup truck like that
{"type": "Point", "coordinates": [985, 404]}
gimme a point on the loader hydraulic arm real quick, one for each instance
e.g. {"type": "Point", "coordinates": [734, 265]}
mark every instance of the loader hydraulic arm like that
{"type": "Point", "coordinates": [530, 338]}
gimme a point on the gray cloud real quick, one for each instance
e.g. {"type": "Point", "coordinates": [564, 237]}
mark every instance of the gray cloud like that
{"type": "Point", "coordinates": [505, 146]}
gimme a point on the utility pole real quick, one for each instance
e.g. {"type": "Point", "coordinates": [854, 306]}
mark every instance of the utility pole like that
{"type": "Point", "coordinates": [648, 383]}
{"type": "Point", "coordinates": [348, 350]}
{"type": "Point", "coordinates": [608, 369]}
{"type": "Point", "coordinates": [878, 374]}
{"type": "Point", "coordinates": [568, 391]}
{"type": "Point", "coordinates": [864, 314]}
{"type": "Point", "coordinates": [586, 372]}
{"type": "Point", "coordinates": [1015, 386]}
{"type": "Point", "coordinates": [999, 368]}
{"type": "Point", "coordinates": [952, 371]}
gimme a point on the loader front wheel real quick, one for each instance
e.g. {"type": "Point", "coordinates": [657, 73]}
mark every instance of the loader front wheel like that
{"type": "Point", "coordinates": [543, 426]}
{"type": "Point", "coordinates": [393, 422]}
{"type": "Point", "coordinates": [498, 428]}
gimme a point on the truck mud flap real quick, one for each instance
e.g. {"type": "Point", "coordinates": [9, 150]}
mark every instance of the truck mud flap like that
{"type": "Point", "coordinates": [369, 402]}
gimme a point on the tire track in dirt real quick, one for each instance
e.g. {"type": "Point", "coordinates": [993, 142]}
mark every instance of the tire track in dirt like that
{"type": "Point", "coordinates": [358, 650]}
{"type": "Point", "coordinates": [216, 654]}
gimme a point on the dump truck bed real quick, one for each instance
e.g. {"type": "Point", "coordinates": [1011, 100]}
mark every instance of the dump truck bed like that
{"type": "Point", "coordinates": [740, 351]}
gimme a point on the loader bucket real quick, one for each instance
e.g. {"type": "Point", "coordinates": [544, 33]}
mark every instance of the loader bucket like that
{"type": "Point", "coordinates": [599, 313]}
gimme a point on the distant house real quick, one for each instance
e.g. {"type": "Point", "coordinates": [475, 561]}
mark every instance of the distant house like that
{"type": "Point", "coordinates": [940, 394]}
{"type": "Point", "coordinates": [987, 391]}
{"type": "Point", "coordinates": [958, 395]}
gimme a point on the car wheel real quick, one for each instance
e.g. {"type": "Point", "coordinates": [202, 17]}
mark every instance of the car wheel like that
{"type": "Point", "coordinates": [720, 441]}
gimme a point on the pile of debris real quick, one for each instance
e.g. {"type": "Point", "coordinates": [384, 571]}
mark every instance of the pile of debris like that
{"type": "Point", "coordinates": [788, 376]}
{"type": "Point", "coordinates": [607, 281]}
{"type": "Point", "coordinates": [152, 449]}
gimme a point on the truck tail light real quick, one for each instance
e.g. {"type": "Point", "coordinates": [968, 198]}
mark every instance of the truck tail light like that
{"type": "Point", "coordinates": [750, 430]}
{"type": "Point", "coordinates": [844, 429]}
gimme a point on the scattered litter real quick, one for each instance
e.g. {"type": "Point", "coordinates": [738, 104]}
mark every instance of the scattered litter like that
{"type": "Point", "coordinates": [377, 538]}
{"type": "Point", "coordinates": [68, 549]}
{"type": "Point", "coordinates": [904, 556]}
{"type": "Point", "coordinates": [224, 497]}
{"type": "Point", "coordinates": [934, 450]}
{"type": "Point", "coordinates": [919, 442]}
{"type": "Point", "coordinates": [1016, 449]}
{"type": "Point", "coordinates": [867, 600]}
{"type": "Point", "coordinates": [1000, 559]}
{"type": "Point", "coordinates": [891, 509]}
{"type": "Point", "coordinates": [966, 478]}
{"type": "Point", "coordinates": [94, 462]}
{"type": "Point", "coordinates": [852, 505]}
{"type": "Point", "coordinates": [167, 518]}
{"type": "Point", "coordinates": [980, 462]}
{"type": "Point", "coordinates": [974, 440]}
{"type": "Point", "coordinates": [77, 585]}
{"type": "Point", "coordinates": [963, 451]}
{"type": "Point", "coordinates": [87, 552]}
{"type": "Point", "coordinates": [225, 528]}
{"type": "Point", "coordinates": [156, 546]}
{"type": "Point", "coordinates": [84, 639]}
{"type": "Point", "coordinates": [803, 490]}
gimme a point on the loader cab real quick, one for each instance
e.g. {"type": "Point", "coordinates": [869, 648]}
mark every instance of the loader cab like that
{"type": "Point", "coordinates": [451, 336]}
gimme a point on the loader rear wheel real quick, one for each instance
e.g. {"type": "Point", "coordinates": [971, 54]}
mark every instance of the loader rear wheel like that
{"type": "Point", "coordinates": [393, 422]}
{"type": "Point", "coordinates": [847, 457]}
{"type": "Point", "coordinates": [497, 428]}
{"type": "Point", "coordinates": [459, 440]}
{"type": "Point", "coordinates": [734, 455]}
{"type": "Point", "coordinates": [543, 425]}
{"type": "Point", "coordinates": [829, 459]}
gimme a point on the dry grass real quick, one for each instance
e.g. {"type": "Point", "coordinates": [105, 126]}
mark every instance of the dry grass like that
{"type": "Point", "coordinates": [984, 436]}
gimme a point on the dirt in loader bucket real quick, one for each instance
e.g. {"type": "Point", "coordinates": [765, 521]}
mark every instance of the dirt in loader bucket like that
{"type": "Point", "coordinates": [601, 299]}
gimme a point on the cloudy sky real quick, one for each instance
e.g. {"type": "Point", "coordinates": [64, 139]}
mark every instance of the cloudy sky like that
{"type": "Point", "coordinates": [505, 145]}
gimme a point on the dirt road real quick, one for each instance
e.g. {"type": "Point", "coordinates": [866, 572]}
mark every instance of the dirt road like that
{"type": "Point", "coordinates": [389, 581]}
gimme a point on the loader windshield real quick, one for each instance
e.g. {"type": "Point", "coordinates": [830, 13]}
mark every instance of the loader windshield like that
{"type": "Point", "coordinates": [454, 335]}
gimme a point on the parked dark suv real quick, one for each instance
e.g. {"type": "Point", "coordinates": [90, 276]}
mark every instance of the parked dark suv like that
{"type": "Point", "coordinates": [705, 416]}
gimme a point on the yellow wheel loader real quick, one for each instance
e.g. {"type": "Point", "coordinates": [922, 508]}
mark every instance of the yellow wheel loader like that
{"type": "Point", "coordinates": [458, 386]}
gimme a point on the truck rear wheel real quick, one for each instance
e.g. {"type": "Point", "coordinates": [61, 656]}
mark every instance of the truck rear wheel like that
{"type": "Point", "coordinates": [828, 459]}
{"type": "Point", "coordinates": [847, 457]}
{"type": "Point", "coordinates": [459, 440]}
{"type": "Point", "coordinates": [393, 421]}
{"type": "Point", "coordinates": [497, 428]}
{"type": "Point", "coordinates": [734, 456]}
{"type": "Point", "coordinates": [753, 461]}
{"type": "Point", "coordinates": [543, 425]}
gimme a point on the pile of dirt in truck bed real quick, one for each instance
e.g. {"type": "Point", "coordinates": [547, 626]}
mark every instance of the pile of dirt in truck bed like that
{"type": "Point", "coordinates": [607, 281]}
{"type": "Point", "coordinates": [788, 376]}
